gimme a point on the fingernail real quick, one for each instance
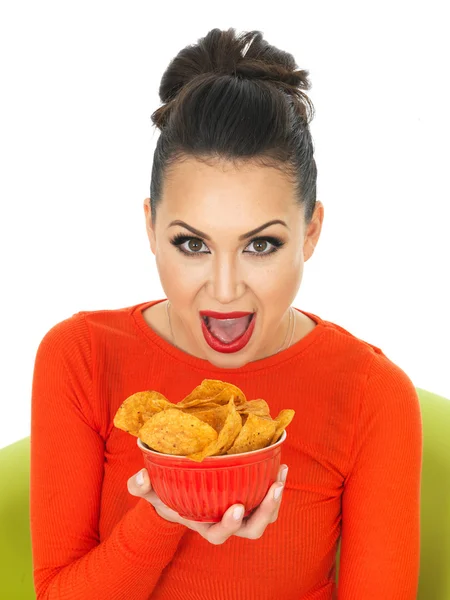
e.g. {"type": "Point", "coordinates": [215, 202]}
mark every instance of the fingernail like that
{"type": "Point", "coordinates": [277, 492]}
{"type": "Point", "coordinates": [140, 478]}
{"type": "Point", "coordinates": [238, 512]}
{"type": "Point", "coordinates": [284, 473]}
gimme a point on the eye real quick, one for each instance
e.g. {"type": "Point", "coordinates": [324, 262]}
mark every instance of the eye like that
{"type": "Point", "coordinates": [189, 245]}
{"type": "Point", "coordinates": [264, 246]}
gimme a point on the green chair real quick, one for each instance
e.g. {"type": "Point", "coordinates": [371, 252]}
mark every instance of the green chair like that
{"type": "Point", "coordinates": [16, 582]}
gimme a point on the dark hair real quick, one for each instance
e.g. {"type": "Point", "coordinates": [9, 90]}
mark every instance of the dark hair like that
{"type": "Point", "coordinates": [240, 99]}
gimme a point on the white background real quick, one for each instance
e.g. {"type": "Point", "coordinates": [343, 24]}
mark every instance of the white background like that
{"type": "Point", "coordinates": [79, 82]}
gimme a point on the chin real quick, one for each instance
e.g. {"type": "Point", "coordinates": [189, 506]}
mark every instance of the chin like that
{"type": "Point", "coordinates": [229, 361]}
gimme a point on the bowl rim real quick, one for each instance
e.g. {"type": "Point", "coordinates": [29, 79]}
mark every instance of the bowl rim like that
{"type": "Point", "coordinates": [212, 458]}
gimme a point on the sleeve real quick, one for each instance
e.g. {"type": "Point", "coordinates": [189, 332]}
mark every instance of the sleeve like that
{"type": "Point", "coordinates": [380, 536]}
{"type": "Point", "coordinates": [67, 457]}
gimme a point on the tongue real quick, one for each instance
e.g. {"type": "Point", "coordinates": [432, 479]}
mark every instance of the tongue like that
{"type": "Point", "coordinates": [228, 330]}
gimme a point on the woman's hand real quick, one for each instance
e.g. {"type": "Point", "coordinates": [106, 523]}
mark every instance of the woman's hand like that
{"type": "Point", "coordinates": [232, 523]}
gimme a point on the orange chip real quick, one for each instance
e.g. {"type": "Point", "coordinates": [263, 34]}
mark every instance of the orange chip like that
{"type": "Point", "coordinates": [200, 403]}
{"type": "Point", "coordinates": [226, 437]}
{"type": "Point", "coordinates": [173, 431]}
{"type": "Point", "coordinates": [283, 420]}
{"type": "Point", "coordinates": [257, 407]}
{"type": "Point", "coordinates": [139, 407]}
{"type": "Point", "coordinates": [228, 392]}
{"type": "Point", "coordinates": [255, 434]}
{"type": "Point", "coordinates": [214, 416]}
{"type": "Point", "coordinates": [211, 390]}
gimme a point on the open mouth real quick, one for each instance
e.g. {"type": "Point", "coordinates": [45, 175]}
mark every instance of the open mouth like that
{"type": "Point", "coordinates": [228, 331]}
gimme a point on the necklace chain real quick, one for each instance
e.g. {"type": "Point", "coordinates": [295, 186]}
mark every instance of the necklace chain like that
{"type": "Point", "coordinates": [170, 323]}
{"type": "Point", "coordinates": [287, 332]}
{"type": "Point", "coordinates": [291, 315]}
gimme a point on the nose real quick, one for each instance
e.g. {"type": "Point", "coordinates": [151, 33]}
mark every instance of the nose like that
{"type": "Point", "coordinates": [226, 283]}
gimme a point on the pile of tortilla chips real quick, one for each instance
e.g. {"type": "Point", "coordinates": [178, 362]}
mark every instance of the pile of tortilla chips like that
{"type": "Point", "coordinates": [214, 419]}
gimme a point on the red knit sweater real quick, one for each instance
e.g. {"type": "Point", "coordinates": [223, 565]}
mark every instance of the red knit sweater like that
{"type": "Point", "coordinates": [354, 453]}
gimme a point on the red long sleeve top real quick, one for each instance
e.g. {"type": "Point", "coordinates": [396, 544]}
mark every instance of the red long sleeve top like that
{"type": "Point", "coordinates": [354, 452]}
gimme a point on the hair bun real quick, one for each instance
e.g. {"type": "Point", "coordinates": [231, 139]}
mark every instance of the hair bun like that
{"type": "Point", "coordinates": [247, 56]}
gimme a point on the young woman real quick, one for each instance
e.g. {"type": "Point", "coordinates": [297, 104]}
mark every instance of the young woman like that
{"type": "Point", "coordinates": [232, 217]}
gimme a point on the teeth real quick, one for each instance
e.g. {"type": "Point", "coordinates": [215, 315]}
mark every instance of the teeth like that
{"type": "Point", "coordinates": [226, 321]}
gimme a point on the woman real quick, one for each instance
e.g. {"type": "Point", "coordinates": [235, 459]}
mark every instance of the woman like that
{"type": "Point", "coordinates": [231, 220]}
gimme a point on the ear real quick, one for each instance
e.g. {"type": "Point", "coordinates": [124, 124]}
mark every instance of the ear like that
{"type": "Point", "coordinates": [313, 232]}
{"type": "Point", "coordinates": [150, 225]}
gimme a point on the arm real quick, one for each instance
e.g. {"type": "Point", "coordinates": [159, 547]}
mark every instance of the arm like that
{"type": "Point", "coordinates": [67, 457]}
{"type": "Point", "coordinates": [380, 538]}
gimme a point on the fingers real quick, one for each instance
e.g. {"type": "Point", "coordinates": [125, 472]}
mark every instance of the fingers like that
{"type": "Point", "coordinates": [267, 512]}
{"type": "Point", "coordinates": [282, 474]}
{"type": "Point", "coordinates": [255, 525]}
{"type": "Point", "coordinates": [228, 526]}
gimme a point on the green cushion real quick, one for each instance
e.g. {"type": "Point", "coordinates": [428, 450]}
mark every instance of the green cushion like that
{"type": "Point", "coordinates": [434, 579]}
{"type": "Point", "coordinates": [16, 582]}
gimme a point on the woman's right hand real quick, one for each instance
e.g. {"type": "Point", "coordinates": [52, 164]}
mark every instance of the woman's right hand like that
{"type": "Point", "coordinates": [252, 527]}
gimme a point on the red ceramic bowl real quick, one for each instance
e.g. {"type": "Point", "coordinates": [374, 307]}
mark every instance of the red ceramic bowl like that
{"type": "Point", "coordinates": [204, 491]}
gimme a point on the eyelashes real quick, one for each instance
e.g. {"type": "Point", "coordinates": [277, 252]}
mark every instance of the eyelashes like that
{"type": "Point", "coordinates": [180, 239]}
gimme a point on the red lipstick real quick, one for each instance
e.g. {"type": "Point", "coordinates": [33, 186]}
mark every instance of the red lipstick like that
{"type": "Point", "coordinates": [217, 344]}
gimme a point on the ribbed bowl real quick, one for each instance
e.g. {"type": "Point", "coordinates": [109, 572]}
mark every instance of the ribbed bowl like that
{"type": "Point", "coordinates": [204, 491]}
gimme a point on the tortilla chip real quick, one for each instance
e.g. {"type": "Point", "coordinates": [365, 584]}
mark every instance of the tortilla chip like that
{"type": "Point", "coordinates": [226, 437]}
{"type": "Point", "coordinates": [213, 390]}
{"type": "Point", "coordinates": [255, 434]}
{"type": "Point", "coordinates": [283, 420]}
{"type": "Point", "coordinates": [214, 416]}
{"type": "Point", "coordinates": [172, 431]}
{"type": "Point", "coordinates": [137, 409]}
{"type": "Point", "coordinates": [257, 407]}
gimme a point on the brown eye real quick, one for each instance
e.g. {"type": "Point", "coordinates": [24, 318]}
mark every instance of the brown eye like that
{"type": "Point", "coordinates": [189, 246]}
{"type": "Point", "coordinates": [264, 246]}
{"type": "Point", "coordinates": [194, 245]}
{"type": "Point", "coordinates": [260, 245]}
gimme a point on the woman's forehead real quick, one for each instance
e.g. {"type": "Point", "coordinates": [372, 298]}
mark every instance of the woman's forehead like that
{"type": "Point", "coordinates": [225, 192]}
{"type": "Point", "coordinates": [226, 176]}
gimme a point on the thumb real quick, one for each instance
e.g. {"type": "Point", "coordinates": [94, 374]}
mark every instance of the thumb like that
{"type": "Point", "coordinates": [140, 484]}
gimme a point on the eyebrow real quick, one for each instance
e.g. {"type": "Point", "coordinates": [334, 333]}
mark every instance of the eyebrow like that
{"type": "Point", "coordinates": [241, 237]}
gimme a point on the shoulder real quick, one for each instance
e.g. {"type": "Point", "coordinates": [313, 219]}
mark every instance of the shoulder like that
{"type": "Point", "coordinates": [65, 336]}
{"type": "Point", "coordinates": [342, 356]}
{"type": "Point", "coordinates": [369, 359]}
{"type": "Point", "coordinates": [391, 393]}
{"type": "Point", "coordinates": [387, 382]}
{"type": "Point", "coordinates": [341, 337]}
{"type": "Point", "coordinates": [381, 382]}
{"type": "Point", "coordinates": [86, 326]}
{"type": "Point", "coordinates": [68, 344]}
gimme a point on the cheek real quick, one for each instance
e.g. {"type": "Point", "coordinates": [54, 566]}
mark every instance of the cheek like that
{"type": "Point", "coordinates": [177, 279]}
{"type": "Point", "coordinates": [280, 279]}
